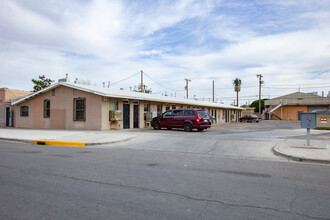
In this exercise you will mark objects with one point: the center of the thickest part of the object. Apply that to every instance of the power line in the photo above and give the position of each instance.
(161, 84)
(307, 87)
(308, 84)
(125, 78)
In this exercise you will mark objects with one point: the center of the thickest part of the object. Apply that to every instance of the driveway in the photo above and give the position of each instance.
(249, 140)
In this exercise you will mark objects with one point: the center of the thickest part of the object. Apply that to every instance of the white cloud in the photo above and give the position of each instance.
(102, 41)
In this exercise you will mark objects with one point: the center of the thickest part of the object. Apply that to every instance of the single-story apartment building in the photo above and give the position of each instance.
(66, 105)
(289, 107)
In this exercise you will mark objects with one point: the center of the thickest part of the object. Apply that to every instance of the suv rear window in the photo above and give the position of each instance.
(189, 113)
(202, 113)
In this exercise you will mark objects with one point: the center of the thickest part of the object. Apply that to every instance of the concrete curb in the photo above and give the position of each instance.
(18, 140)
(278, 152)
(109, 142)
(60, 143)
(65, 143)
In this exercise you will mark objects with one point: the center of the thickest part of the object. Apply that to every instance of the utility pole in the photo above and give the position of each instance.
(213, 91)
(141, 80)
(259, 76)
(187, 80)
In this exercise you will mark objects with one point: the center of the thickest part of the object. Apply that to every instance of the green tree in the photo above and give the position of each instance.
(41, 82)
(256, 105)
(237, 82)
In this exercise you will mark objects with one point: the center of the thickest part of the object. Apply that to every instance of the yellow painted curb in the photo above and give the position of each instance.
(60, 143)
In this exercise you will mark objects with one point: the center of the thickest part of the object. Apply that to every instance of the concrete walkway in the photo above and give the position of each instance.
(297, 149)
(68, 137)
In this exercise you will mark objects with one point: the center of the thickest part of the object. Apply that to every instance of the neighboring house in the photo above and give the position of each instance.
(6, 95)
(289, 107)
(248, 110)
(65, 105)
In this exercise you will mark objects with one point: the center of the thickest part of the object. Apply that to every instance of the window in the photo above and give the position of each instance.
(46, 108)
(178, 112)
(79, 109)
(24, 111)
(146, 107)
(113, 106)
(202, 113)
(167, 114)
(167, 107)
(189, 113)
(53, 92)
(173, 107)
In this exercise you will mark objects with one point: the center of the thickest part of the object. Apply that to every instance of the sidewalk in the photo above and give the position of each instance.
(65, 137)
(296, 149)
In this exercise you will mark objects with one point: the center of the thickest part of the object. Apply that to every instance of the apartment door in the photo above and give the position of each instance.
(215, 115)
(8, 117)
(126, 115)
(136, 115)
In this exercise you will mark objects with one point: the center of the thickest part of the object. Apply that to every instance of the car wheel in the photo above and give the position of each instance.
(241, 121)
(200, 129)
(169, 128)
(187, 127)
(156, 125)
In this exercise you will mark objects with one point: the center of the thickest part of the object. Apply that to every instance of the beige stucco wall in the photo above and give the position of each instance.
(61, 111)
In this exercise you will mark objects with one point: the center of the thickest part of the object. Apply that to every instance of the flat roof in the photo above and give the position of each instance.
(112, 93)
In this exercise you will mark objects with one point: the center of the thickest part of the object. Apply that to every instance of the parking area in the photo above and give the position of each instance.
(248, 140)
(230, 128)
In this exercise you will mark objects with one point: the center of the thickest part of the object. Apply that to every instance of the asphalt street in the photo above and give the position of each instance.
(223, 173)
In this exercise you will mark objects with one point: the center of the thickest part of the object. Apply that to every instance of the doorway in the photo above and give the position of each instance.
(8, 117)
(126, 115)
(136, 115)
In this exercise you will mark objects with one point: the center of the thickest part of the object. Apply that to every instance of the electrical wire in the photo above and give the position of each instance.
(301, 87)
(161, 84)
(125, 79)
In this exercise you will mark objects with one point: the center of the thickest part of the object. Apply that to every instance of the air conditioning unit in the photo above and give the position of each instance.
(148, 116)
(154, 114)
(115, 115)
(112, 116)
(118, 115)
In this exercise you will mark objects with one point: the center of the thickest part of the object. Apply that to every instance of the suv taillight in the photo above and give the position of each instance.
(198, 119)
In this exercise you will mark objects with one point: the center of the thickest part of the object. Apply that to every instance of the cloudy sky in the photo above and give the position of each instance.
(97, 41)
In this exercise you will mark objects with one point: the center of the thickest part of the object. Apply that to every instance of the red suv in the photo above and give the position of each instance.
(187, 119)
